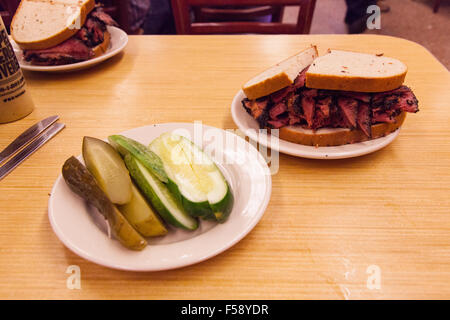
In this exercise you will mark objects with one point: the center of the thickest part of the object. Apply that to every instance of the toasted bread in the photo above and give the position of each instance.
(42, 24)
(359, 72)
(279, 76)
(327, 137)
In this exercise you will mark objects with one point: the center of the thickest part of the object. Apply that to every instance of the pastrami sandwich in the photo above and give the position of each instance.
(57, 32)
(339, 98)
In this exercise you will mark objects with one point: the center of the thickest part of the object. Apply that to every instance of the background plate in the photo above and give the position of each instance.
(119, 40)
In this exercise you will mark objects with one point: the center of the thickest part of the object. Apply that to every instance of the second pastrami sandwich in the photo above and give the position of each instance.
(57, 32)
(339, 98)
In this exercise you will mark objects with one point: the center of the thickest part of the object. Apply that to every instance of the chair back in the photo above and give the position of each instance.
(182, 13)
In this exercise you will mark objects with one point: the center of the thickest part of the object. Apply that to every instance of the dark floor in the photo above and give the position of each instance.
(410, 19)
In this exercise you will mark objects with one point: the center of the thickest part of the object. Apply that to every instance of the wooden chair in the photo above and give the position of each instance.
(216, 14)
(236, 24)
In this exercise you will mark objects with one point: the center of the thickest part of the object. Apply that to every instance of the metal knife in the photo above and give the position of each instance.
(26, 138)
(30, 149)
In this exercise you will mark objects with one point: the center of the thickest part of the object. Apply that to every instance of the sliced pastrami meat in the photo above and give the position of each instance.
(282, 94)
(258, 109)
(337, 119)
(389, 102)
(364, 119)
(73, 48)
(408, 102)
(402, 91)
(324, 105)
(308, 105)
(361, 96)
(96, 29)
(279, 123)
(293, 119)
(291, 104)
(387, 105)
(277, 110)
(382, 117)
(398, 91)
(294, 109)
(322, 112)
(294, 105)
(349, 109)
(83, 35)
(103, 17)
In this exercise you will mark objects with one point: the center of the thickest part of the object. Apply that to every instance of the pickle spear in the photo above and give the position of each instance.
(108, 169)
(159, 195)
(81, 182)
(194, 178)
(141, 216)
(148, 158)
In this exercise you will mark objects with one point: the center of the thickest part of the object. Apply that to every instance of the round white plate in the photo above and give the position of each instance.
(82, 230)
(250, 128)
(119, 40)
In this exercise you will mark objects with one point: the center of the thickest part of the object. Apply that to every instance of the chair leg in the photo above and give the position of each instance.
(437, 3)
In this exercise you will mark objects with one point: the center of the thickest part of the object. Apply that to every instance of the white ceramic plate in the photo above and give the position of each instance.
(119, 40)
(250, 127)
(82, 229)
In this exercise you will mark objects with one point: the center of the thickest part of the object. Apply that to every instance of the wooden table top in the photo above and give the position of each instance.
(329, 225)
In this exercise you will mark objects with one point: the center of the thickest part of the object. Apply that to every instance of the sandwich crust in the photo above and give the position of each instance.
(355, 84)
(268, 86)
(357, 72)
(340, 136)
(280, 75)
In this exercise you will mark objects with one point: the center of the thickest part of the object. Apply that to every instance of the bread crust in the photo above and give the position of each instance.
(338, 136)
(356, 84)
(102, 47)
(267, 86)
(277, 82)
(57, 38)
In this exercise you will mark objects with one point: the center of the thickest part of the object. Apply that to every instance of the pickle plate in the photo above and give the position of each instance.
(83, 230)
